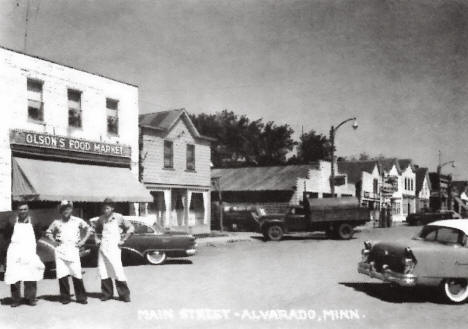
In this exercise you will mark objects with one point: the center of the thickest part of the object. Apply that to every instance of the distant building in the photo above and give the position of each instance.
(440, 194)
(367, 179)
(401, 174)
(175, 166)
(274, 188)
(423, 189)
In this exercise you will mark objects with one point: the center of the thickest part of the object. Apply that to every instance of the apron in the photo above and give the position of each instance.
(109, 259)
(23, 264)
(67, 254)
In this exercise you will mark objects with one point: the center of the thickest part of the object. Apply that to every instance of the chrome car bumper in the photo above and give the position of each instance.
(191, 252)
(406, 280)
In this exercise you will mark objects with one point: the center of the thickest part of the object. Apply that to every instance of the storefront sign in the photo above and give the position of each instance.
(21, 137)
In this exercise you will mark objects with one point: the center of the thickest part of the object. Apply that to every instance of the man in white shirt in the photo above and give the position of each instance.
(66, 232)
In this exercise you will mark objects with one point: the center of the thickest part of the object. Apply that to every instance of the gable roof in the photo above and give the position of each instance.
(354, 169)
(388, 163)
(405, 163)
(164, 121)
(274, 178)
(421, 174)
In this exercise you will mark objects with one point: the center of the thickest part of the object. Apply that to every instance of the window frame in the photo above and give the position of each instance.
(40, 109)
(116, 116)
(168, 157)
(79, 110)
(190, 166)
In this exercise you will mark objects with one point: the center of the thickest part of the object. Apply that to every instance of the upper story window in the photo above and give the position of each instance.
(168, 154)
(112, 106)
(190, 157)
(35, 104)
(376, 186)
(74, 108)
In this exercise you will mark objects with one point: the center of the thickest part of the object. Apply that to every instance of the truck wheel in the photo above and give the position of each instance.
(455, 290)
(345, 231)
(274, 232)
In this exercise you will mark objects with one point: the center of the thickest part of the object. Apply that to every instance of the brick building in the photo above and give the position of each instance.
(66, 134)
(175, 167)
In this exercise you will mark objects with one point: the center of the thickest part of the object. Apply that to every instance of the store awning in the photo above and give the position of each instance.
(43, 180)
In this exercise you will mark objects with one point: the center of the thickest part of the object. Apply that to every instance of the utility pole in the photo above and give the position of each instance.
(25, 46)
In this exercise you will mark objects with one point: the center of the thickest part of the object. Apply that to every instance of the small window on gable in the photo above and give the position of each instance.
(168, 154)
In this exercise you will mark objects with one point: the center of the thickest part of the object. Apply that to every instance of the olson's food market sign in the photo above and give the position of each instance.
(28, 138)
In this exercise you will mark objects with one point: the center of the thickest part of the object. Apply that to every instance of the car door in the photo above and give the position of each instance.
(144, 238)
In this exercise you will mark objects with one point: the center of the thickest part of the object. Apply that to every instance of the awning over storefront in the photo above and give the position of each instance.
(43, 180)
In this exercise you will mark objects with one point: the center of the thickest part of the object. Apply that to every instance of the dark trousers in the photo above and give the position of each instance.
(64, 285)
(30, 289)
(107, 287)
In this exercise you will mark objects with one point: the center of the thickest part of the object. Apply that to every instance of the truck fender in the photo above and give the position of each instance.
(269, 222)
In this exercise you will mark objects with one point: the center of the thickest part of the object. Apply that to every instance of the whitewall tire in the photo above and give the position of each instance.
(455, 290)
(155, 257)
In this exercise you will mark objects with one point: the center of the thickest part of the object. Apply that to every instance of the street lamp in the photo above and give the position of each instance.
(332, 140)
(439, 173)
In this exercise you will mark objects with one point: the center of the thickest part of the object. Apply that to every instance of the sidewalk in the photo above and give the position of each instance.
(219, 238)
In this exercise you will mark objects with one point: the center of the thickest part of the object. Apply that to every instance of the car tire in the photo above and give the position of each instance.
(455, 290)
(345, 231)
(155, 257)
(274, 232)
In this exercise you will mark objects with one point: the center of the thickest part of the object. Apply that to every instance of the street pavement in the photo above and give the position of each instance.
(243, 282)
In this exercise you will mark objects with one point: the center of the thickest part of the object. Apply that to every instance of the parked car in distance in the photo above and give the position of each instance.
(336, 216)
(437, 256)
(237, 218)
(424, 218)
(151, 244)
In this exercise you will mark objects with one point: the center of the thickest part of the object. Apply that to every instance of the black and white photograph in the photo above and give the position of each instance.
(275, 164)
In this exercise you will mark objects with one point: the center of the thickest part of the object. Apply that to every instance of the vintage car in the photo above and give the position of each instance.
(424, 218)
(152, 244)
(437, 256)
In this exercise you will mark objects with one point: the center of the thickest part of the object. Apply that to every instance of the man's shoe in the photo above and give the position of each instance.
(65, 301)
(84, 301)
(31, 302)
(125, 299)
(103, 299)
(15, 304)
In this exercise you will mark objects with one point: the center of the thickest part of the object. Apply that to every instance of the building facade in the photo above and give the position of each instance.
(175, 166)
(423, 190)
(366, 176)
(66, 134)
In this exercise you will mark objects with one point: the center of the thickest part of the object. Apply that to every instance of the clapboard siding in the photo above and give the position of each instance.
(153, 158)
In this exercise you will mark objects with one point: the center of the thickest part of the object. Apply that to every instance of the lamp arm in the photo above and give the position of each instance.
(343, 122)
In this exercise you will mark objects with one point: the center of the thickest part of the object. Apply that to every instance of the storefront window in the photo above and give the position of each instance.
(197, 208)
(74, 108)
(35, 104)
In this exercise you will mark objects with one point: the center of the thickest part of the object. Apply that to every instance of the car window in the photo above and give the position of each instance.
(444, 235)
(142, 229)
(297, 211)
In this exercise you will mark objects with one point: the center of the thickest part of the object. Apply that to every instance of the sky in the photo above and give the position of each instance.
(400, 67)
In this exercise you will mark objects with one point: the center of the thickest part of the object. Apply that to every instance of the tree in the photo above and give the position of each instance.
(312, 147)
(242, 142)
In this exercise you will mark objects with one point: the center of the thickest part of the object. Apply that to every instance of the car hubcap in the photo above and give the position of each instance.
(156, 256)
(275, 232)
(457, 287)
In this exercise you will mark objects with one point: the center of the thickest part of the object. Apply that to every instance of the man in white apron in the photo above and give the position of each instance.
(22, 262)
(66, 231)
(108, 228)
